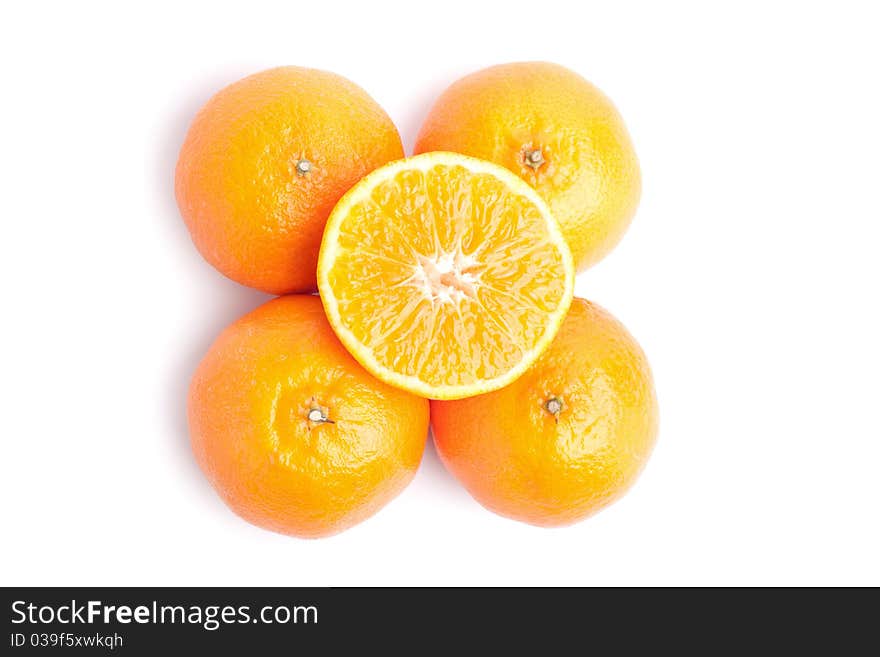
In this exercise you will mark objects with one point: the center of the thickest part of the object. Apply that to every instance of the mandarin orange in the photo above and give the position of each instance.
(294, 435)
(557, 132)
(564, 440)
(265, 161)
(444, 275)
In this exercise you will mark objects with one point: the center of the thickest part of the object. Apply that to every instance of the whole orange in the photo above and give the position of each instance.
(265, 161)
(556, 131)
(565, 439)
(293, 434)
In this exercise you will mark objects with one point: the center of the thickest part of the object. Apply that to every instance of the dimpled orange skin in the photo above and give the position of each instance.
(522, 461)
(253, 214)
(249, 418)
(587, 170)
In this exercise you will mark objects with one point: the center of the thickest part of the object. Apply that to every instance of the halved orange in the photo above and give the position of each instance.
(444, 275)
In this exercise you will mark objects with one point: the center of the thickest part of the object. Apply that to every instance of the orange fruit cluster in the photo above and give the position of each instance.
(445, 298)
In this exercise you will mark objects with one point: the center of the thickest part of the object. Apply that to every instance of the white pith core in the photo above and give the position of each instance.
(448, 277)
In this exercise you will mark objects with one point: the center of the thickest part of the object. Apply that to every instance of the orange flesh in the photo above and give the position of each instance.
(447, 275)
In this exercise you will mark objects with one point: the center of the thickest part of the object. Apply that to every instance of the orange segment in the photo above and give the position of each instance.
(444, 275)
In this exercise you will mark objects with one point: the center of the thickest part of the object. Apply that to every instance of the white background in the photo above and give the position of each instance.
(749, 276)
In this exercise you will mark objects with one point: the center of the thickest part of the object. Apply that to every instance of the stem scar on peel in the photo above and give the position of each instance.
(554, 406)
(303, 167)
(533, 157)
(317, 414)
